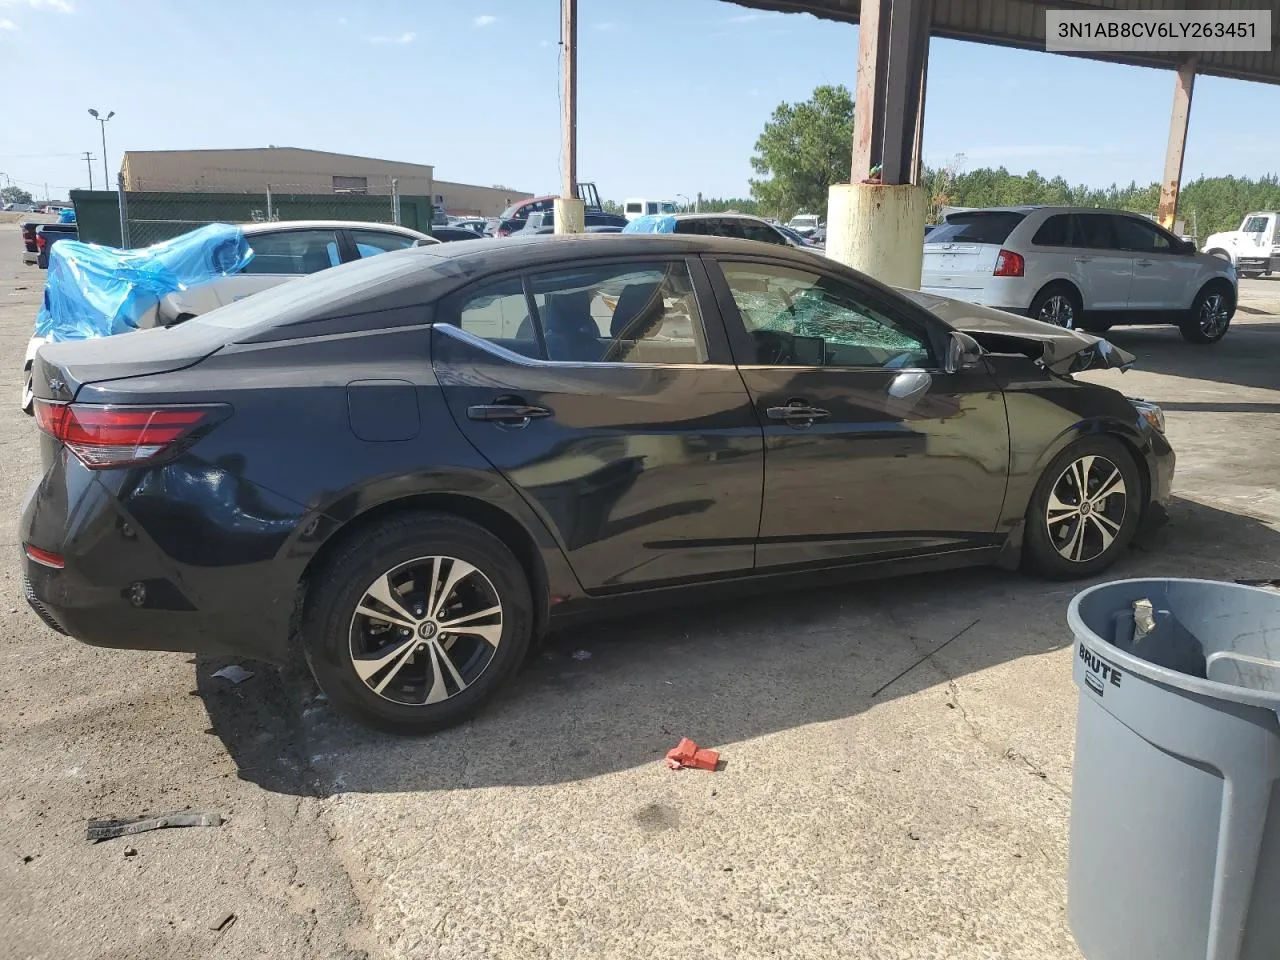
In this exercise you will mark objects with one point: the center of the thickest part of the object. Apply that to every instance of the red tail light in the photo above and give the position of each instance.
(41, 240)
(46, 558)
(106, 436)
(1008, 264)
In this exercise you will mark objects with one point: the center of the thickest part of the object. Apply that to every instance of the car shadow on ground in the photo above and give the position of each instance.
(616, 695)
(1245, 356)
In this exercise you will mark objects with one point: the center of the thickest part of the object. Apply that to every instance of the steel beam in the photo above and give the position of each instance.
(893, 51)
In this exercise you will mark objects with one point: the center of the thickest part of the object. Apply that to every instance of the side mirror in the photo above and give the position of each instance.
(963, 352)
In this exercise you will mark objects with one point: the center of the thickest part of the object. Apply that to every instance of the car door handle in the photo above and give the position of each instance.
(1084, 259)
(797, 412)
(510, 413)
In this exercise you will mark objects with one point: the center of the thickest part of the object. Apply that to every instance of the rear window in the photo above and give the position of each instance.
(977, 227)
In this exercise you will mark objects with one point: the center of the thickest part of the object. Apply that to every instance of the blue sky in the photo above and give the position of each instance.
(673, 93)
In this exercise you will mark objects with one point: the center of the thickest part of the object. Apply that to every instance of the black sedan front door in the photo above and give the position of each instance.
(872, 450)
(603, 397)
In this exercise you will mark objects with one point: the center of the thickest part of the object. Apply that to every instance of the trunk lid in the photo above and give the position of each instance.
(961, 253)
(62, 368)
(1062, 351)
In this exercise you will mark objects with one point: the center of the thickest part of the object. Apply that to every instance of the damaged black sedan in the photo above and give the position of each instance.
(418, 463)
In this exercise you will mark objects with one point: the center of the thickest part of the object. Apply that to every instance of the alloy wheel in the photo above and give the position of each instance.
(426, 630)
(1059, 311)
(1086, 508)
(1214, 316)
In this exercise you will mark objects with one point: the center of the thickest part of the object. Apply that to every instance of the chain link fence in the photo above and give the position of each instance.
(140, 218)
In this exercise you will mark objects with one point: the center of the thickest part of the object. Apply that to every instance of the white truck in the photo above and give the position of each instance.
(1254, 249)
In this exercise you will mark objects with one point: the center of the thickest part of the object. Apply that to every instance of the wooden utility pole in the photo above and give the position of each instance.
(569, 117)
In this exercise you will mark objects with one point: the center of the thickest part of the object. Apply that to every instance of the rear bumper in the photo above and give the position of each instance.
(123, 586)
(30, 256)
(1003, 293)
(1161, 461)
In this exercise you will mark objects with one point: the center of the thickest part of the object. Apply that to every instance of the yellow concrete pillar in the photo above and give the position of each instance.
(878, 229)
(571, 215)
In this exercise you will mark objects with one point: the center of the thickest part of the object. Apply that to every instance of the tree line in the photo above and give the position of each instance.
(805, 148)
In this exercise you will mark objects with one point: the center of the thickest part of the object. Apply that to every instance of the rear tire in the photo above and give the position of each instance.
(381, 653)
(1210, 315)
(1059, 304)
(1069, 536)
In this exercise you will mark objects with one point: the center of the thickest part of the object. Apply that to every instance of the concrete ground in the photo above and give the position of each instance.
(858, 815)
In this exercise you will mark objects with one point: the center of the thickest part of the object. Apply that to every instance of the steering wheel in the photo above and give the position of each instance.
(772, 348)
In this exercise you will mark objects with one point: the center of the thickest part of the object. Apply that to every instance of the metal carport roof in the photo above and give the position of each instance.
(1020, 23)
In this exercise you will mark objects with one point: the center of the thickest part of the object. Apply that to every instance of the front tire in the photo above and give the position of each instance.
(1210, 315)
(1085, 509)
(414, 626)
(1059, 304)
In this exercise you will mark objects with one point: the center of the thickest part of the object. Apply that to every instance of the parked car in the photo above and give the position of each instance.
(805, 224)
(475, 224)
(634, 207)
(512, 219)
(30, 252)
(795, 238)
(1080, 267)
(545, 222)
(455, 232)
(423, 461)
(47, 234)
(737, 226)
(1254, 249)
(283, 250)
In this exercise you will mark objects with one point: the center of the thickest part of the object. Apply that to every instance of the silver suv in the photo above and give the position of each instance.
(1080, 268)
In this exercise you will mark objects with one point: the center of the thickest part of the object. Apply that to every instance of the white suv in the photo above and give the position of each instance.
(1080, 267)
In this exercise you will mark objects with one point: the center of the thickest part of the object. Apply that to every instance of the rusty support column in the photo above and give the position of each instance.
(868, 100)
(901, 91)
(1176, 150)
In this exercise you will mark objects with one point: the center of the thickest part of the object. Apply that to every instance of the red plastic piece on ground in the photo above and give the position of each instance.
(686, 754)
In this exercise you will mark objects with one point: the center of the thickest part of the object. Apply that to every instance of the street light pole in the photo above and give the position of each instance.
(102, 122)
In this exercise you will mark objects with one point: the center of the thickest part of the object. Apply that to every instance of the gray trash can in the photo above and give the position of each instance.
(1175, 801)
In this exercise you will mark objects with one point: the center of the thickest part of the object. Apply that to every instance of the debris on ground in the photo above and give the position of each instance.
(581, 654)
(687, 754)
(130, 851)
(110, 829)
(235, 673)
(222, 921)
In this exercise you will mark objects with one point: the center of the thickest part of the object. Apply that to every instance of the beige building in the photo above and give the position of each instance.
(292, 170)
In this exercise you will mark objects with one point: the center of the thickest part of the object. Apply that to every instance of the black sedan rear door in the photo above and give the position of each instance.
(872, 450)
(605, 392)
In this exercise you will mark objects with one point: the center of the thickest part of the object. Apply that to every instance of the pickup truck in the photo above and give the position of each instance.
(30, 253)
(1254, 249)
(47, 234)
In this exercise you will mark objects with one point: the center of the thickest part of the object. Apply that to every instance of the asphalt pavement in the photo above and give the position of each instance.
(857, 815)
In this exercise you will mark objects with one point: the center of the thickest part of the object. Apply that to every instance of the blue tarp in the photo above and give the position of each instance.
(94, 291)
(67, 216)
(651, 224)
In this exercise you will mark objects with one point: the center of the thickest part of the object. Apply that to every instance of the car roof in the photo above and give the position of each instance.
(715, 216)
(262, 226)
(1044, 207)
(396, 284)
